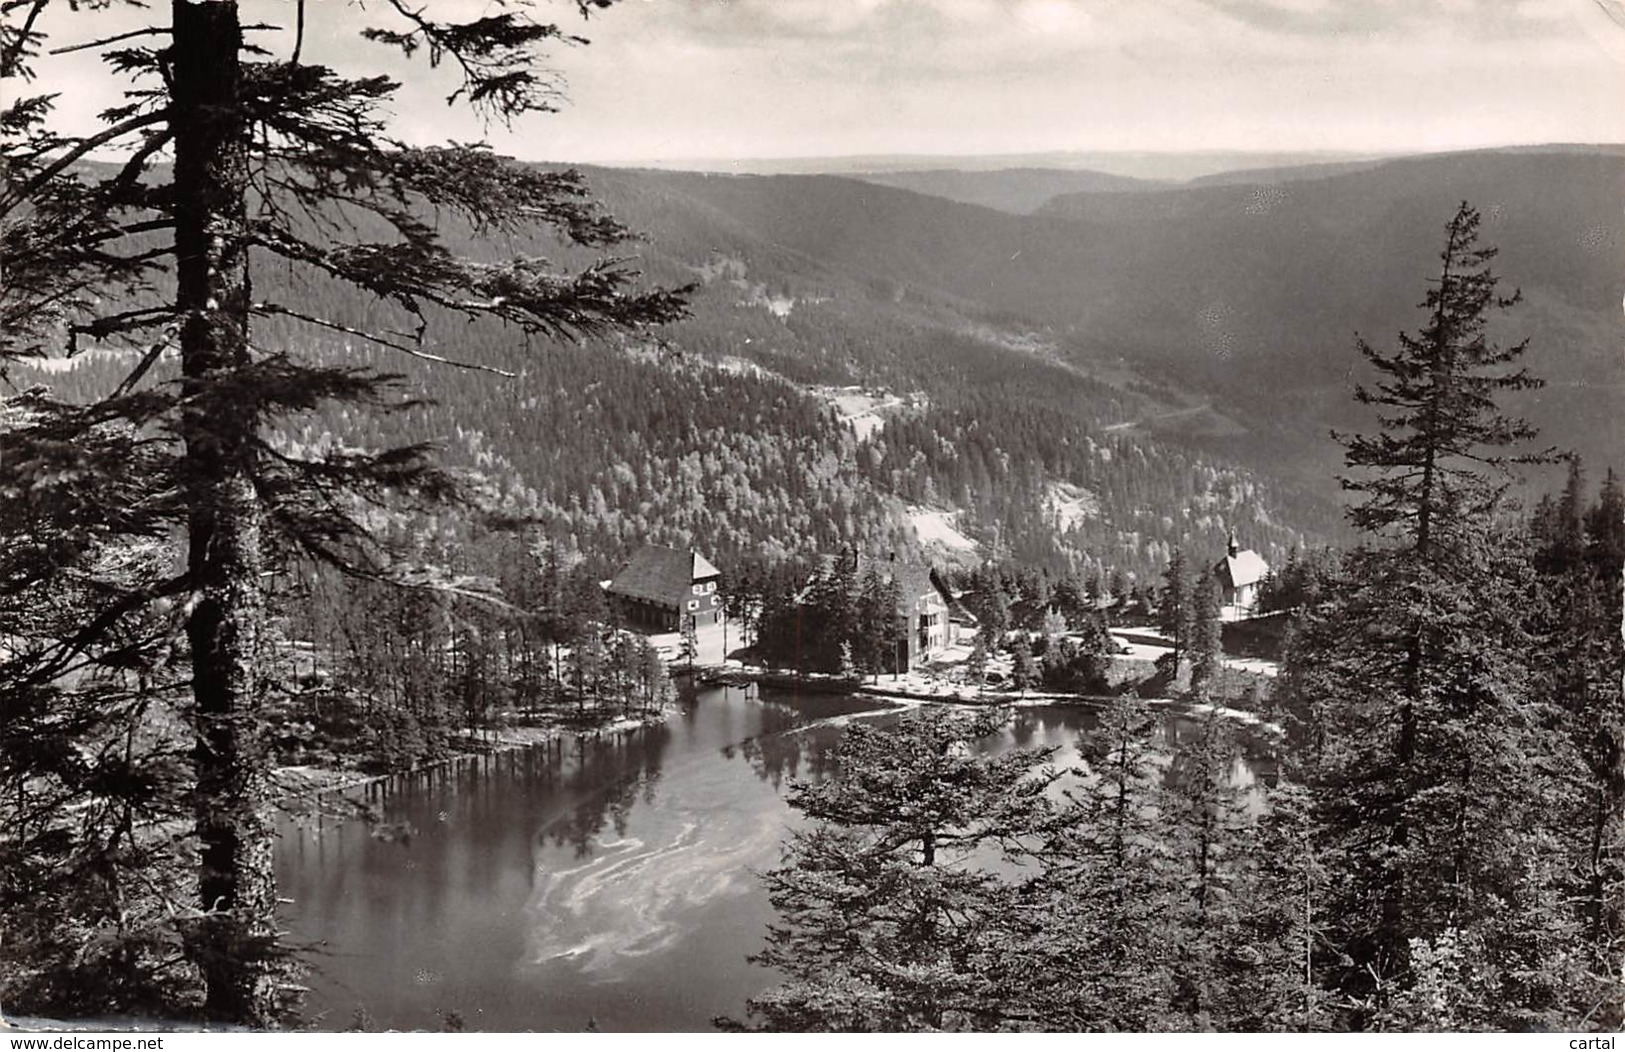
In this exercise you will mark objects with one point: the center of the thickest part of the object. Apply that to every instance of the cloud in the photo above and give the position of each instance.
(884, 40)
(1396, 19)
(692, 78)
(934, 41)
(776, 77)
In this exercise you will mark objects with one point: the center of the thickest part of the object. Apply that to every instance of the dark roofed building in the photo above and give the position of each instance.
(661, 586)
(927, 607)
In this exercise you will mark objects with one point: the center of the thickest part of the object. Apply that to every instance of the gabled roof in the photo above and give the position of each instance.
(1241, 569)
(663, 575)
(914, 580)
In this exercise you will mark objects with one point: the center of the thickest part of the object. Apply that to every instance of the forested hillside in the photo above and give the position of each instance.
(1017, 190)
(1255, 291)
(319, 446)
(611, 448)
(1439, 847)
(1175, 355)
(722, 435)
(1250, 294)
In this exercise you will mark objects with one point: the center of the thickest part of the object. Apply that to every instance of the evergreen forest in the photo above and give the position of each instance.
(317, 448)
(1442, 848)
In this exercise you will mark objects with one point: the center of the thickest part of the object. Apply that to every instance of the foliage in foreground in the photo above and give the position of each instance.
(239, 160)
(1444, 849)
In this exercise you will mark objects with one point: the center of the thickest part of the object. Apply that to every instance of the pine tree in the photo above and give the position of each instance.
(1206, 639)
(894, 911)
(1175, 611)
(1116, 865)
(1204, 813)
(1434, 764)
(276, 163)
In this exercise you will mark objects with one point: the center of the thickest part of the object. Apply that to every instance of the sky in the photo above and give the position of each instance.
(669, 80)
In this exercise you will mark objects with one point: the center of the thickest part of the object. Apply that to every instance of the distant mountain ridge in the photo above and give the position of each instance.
(1021, 188)
(1016, 190)
(1176, 354)
(1250, 293)
(1153, 165)
(1256, 291)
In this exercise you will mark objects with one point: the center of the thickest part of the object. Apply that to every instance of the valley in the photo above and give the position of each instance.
(1047, 402)
(942, 355)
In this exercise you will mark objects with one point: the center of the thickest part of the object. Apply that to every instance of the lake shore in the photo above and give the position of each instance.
(294, 781)
(915, 687)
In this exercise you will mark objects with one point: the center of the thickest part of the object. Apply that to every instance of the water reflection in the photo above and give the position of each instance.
(639, 891)
(609, 878)
(606, 778)
(798, 736)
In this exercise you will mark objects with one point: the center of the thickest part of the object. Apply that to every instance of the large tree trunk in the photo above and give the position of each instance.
(233, 945)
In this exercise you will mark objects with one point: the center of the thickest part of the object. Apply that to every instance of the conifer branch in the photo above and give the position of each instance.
(148, 360)
(28, 188)
(131, 172)
(64, 652)
(19, 38)
(276, 308)
(104, 41)
(493, 52)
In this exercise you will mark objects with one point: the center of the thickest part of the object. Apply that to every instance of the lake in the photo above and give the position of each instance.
(604, 881)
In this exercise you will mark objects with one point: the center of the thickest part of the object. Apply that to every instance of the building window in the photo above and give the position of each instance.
(693, 604)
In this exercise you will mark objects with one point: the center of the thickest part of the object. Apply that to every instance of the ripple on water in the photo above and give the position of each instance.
(638, 896)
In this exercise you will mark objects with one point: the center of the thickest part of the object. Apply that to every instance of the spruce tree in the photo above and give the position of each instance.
(1206, 644)
(241, 161)
(902, 907)
(1605, 529)
(831, 622)
(1581, 660)
(1175, 611)
(1438, 467)
(1117, 865)
(1206, 819)
(991, 606)
(689, 644)
(1605, 551)
(876, 611)
(1023, 668)
(1434, 764)
(1281, 895)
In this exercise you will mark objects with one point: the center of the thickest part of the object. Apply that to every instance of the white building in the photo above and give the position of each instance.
(1239, 575)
